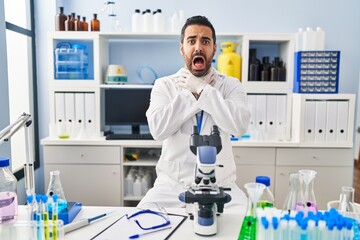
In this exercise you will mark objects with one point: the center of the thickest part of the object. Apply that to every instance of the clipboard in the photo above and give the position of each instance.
(123, 228)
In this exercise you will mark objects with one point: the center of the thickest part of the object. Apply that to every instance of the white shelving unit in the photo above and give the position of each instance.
(104, 185)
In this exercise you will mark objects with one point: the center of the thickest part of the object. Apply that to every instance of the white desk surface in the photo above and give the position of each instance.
(229, 223)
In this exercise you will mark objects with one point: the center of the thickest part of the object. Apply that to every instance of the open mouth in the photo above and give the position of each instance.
(199, 62)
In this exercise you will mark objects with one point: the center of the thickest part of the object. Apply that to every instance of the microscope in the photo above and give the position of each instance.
(204, 199)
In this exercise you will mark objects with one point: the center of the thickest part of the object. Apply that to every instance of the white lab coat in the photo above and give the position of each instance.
(171, 118)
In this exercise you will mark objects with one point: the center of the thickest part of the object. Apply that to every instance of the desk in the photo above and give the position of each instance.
(229, 223)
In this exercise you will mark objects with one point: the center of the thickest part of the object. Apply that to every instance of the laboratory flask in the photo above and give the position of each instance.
(294, 200)
(307, 178)
(346, 201)
(248, 228)
(267, 198)
(8, 193)
(55, 187)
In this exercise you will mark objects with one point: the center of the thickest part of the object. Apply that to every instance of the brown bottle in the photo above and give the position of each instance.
(78, 24)
(60, 19)
(95, 23)
(70, 23)
(85, 26)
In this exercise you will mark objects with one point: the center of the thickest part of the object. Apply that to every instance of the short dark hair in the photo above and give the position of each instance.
(198, 20)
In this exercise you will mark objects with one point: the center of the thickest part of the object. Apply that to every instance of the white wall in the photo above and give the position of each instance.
(340, 20)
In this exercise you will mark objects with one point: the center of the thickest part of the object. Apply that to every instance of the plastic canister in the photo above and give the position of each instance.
(8, 192)
(229, 62)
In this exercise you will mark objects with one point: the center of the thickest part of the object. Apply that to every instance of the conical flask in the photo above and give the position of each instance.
(248, 228)
(294, 200)
(307, 179)
(55, 187)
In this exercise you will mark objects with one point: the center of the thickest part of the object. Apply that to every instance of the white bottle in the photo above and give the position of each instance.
(299, 40)
(144, 186)
(129, 185)
(320, 39)
(136, 21)
(309, 40)
(137, 187)
(181, 18)
(159, 22)
(8, 192)
(174, 23)
(147, 21)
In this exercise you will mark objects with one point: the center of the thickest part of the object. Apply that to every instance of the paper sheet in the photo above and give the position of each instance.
(123, 228)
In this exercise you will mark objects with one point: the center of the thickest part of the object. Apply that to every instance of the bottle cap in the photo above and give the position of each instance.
(4, 162)
(264, 180)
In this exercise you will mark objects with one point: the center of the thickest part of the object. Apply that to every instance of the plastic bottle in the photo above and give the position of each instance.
(147, 21)
(266, 68)
(60, 19)
(254, 66)
(299, 40)
(8, 192)
(136, 21)
(319, 39)
(129, 182)
(137, 187)
(309, 39)
(55, 187)
(85, 26)
(267, 198)
(229, 62)
(95, 24)
(174, 23)
(159, 22)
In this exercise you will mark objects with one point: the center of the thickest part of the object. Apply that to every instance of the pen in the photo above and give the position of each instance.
(141, 234)
(83, 222)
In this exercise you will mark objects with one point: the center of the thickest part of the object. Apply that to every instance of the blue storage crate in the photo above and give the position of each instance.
(316, 72)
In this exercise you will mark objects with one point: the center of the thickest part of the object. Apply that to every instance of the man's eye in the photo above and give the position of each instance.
(206, 42)
(191, 41)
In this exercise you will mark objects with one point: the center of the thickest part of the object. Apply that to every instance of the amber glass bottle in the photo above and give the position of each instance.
(79, 24)
(95, 23)
(85, 25)
(60, 19)
(70, 23)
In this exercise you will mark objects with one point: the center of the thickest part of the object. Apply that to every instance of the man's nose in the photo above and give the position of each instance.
(198, 47)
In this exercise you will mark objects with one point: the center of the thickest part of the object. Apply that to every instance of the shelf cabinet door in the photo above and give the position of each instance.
(91, 185)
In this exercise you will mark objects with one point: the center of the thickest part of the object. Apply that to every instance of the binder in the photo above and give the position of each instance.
(309, 121)
(342, 121)
(79, 113)
(320, 121)
(281, 116)
(70, 113)
(331, 113)
(271, 111)
(261, 115)
(90, 113)
(60, 122)
(251, 100)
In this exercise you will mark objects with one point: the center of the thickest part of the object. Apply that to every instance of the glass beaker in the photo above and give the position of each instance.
(307, 179)
(248, 228)
(55, 187)
(346, 201)
(294, 199)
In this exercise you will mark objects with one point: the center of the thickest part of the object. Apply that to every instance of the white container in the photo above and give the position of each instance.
(137, 187)
(299, 40)
(144, 186)
(309, 39)
(319, 39)
(174, 23)
(159, 22)
(136, 21)
(8, 192)
(129, 185)
(147, 21)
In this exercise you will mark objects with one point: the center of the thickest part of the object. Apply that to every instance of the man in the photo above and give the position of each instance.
(195, 96)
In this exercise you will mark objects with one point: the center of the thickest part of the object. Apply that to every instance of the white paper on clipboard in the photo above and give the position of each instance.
(123, 228)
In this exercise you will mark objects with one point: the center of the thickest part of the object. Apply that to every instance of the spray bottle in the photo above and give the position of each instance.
(229, 62)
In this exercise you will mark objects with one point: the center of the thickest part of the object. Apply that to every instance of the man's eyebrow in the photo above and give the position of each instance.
(191, 37)
(203, 38)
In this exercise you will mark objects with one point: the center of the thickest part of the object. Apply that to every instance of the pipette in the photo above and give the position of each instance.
(83, 222)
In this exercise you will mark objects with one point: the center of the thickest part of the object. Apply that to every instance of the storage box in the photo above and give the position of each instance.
(316, 72)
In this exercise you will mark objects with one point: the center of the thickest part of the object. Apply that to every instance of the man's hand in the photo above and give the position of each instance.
(196, 84)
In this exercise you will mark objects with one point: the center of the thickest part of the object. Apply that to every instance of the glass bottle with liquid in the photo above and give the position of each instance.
(294, 200)
(60, 19)
(8, 192)
(85, 25)
(70, 23)
(95, 23)
(267, 198)
(55, 187)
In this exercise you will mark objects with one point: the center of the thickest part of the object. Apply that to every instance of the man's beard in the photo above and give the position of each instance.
(197, 73)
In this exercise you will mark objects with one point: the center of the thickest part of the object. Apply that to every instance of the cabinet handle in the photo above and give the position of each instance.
(315, 158)
(82, 155)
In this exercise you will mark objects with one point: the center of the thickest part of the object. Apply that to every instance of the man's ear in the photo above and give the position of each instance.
(181, 47)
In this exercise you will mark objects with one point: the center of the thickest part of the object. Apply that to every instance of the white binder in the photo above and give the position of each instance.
(309, 121)
(80, 114)
(342, 121)
(331, 113)
(251, 101)
(281, 116)
(271, 104)
(90, 113)
(60, 121)
(261, 115)
(70, 113)
(320, 121)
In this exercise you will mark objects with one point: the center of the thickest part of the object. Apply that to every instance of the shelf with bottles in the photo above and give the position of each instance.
(268, 62)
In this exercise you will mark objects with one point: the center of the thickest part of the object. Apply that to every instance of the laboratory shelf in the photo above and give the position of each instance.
(140, 162)
(133, 198)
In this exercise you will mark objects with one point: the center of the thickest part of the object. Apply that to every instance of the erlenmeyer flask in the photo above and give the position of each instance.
(294, 199)
(346, 201)
(55, 187)
(248, 228)
(307, 178)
